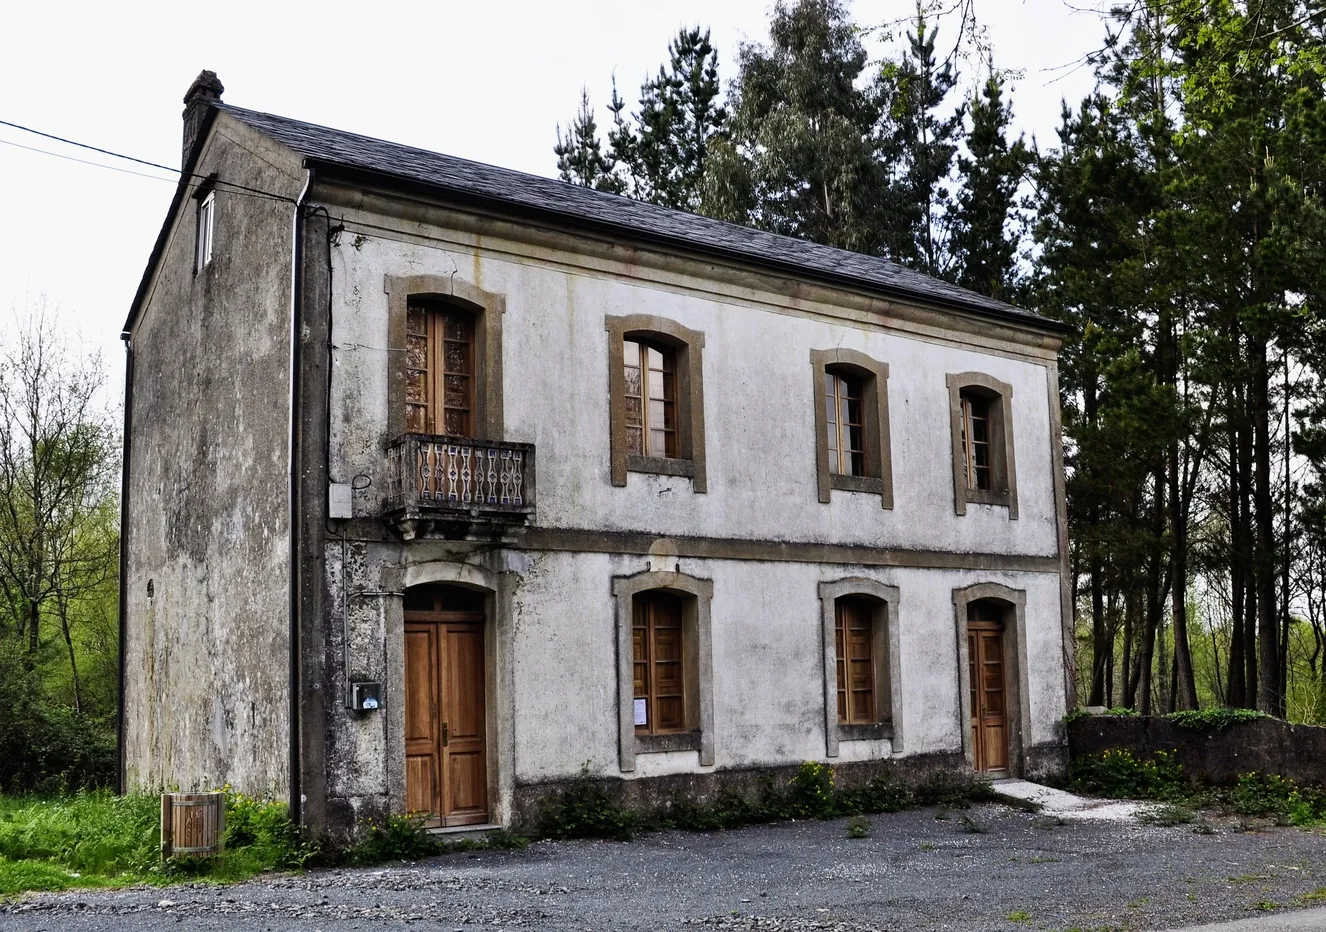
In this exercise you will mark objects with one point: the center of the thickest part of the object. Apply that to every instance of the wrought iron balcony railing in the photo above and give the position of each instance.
(459, 480)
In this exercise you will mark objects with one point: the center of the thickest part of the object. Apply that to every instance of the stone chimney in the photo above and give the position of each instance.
(203, 92)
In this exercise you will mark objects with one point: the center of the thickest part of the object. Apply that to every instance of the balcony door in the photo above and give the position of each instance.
(439, 369)
(446, 757)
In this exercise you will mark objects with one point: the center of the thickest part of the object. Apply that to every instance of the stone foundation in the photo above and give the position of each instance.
(649, 793)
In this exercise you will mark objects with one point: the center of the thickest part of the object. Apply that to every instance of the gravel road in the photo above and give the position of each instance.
(914, 872)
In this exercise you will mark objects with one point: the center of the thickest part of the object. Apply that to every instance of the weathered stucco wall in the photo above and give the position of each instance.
(206, 693)
(767, 663)
(554, 705)
(759, 410)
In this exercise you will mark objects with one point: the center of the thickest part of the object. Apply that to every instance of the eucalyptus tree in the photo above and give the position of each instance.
(798, 156)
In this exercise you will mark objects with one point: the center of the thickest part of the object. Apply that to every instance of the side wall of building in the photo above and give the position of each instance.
(207, 575)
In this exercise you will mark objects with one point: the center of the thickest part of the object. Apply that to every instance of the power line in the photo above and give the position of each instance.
(261, 196)
(83, 145)
(130, 158)
(58, 155)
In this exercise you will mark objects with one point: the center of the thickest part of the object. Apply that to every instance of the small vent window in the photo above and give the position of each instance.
(206, 212)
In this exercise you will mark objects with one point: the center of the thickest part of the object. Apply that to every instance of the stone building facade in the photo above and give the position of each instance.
(447, 484)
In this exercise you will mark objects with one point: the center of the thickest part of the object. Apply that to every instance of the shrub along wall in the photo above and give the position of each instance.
(1209, 750)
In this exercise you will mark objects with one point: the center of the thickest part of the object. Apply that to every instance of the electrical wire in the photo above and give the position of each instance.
(58, 155)
(126, 171)
(130, 158)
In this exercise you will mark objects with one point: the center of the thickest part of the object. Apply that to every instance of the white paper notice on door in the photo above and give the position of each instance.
(641, 711)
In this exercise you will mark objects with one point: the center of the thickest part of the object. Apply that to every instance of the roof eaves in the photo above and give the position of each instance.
(467, 196)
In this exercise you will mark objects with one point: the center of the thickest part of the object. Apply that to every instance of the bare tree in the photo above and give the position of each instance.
(58, 464)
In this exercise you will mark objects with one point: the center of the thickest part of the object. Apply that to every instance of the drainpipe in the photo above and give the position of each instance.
(296, 324)
(120, 750)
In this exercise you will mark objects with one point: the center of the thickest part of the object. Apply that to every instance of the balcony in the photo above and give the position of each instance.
(459, 488)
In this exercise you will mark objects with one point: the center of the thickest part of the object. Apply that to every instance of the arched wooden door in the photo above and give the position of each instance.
(989, 694)
(446, 754)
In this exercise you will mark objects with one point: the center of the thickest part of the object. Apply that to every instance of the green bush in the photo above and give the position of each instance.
(1216, 719)
(52, 749)
(261, 836)
(810, 792)
(586, 809)
(1117, 772)
(884, 793)
(858, 827)
(396, 838)
(1273, 796)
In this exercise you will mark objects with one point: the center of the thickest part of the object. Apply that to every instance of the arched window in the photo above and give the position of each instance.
(664, 665)
(855, 653)
(862, 699)
(656, 398)
(981, 413)
(852, 448)
(844, 394)
(444, 367)
(651, 397)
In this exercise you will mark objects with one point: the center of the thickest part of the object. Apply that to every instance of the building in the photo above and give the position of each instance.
(445, 483)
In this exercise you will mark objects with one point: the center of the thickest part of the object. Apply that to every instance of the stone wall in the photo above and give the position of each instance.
(653, 793)
(1297, 752)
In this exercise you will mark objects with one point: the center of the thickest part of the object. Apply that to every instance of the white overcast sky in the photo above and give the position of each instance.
(482, 80)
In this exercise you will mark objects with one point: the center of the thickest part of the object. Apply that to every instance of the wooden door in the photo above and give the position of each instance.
(989, 714)
(446, 754)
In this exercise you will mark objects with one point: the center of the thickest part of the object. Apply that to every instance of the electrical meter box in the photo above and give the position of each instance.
(365, 697)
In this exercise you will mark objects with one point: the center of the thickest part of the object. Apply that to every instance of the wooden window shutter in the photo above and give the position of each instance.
(854, 636)
(658, 662)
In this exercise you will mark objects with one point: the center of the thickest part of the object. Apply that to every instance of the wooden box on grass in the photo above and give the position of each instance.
(192, 824)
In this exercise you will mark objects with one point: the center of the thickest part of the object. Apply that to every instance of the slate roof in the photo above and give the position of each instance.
(579, 207)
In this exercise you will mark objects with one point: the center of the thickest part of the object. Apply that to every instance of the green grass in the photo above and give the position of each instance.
(1118, 773)
(98, 839)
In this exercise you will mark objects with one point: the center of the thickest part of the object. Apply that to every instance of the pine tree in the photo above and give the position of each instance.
(580, 158)
(665, 148)
(983, 247)
(919, 144)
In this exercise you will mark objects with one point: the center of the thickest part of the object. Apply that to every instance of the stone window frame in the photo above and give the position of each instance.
(878, 444)
(888, 676)
(488, 308)
(689, 347)
(1017, 686)
(1003, 464)
(698, 660)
